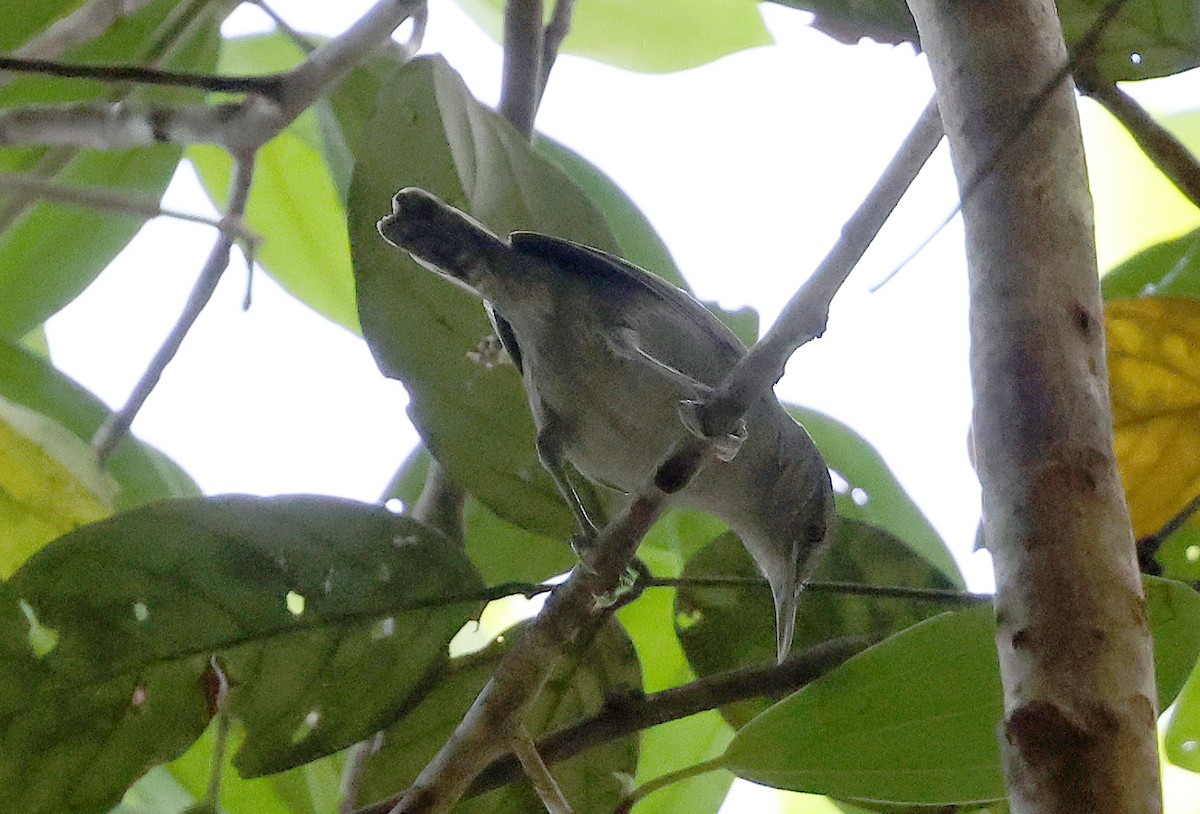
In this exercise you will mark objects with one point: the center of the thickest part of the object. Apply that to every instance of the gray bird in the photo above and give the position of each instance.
(608, 353)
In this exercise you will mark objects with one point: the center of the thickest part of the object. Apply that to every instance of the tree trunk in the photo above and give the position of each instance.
(1072, 633)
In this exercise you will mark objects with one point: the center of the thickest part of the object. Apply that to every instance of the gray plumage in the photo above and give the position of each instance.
(607, 352)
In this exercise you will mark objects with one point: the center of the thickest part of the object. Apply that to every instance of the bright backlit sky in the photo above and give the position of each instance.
(748, 167)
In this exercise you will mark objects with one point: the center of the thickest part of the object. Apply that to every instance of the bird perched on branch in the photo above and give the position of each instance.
(608, 354)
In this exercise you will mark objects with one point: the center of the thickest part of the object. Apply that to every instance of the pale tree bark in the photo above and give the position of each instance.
(1072, 634)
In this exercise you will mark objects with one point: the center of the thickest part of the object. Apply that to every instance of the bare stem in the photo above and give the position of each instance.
(522, 84)
(556, 31)
(117, 426)
(1168, 153)
(539, 776)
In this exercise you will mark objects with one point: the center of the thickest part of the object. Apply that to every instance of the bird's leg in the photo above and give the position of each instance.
(626, 343)
(582, 501)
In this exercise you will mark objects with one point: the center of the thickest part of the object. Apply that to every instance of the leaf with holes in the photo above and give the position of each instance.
(324, 615)
(604, 668)
(429, 132)
(724, 627)
(867, 490)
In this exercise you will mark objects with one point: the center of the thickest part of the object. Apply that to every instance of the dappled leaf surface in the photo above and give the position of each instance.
(1168, 269)
(877, 727)
(143, 473)
(430, 133)
(605, 667)
(726, 627)
(1154, 370)
(666, 35)
(324, 614)
(49, 252)
(865, 489)
(50, 483)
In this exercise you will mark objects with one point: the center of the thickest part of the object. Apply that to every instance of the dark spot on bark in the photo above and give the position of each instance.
(159, 119)
(1020, 639)
(1083, 319)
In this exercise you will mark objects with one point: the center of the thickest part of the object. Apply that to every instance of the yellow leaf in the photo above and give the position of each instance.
(49, 484)
(1154, 373)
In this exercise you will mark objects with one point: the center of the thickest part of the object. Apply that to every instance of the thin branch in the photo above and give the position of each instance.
(302, 41)
(626, 715)
(522, 83)
(539, 776)
(669, 779)
(806, 314)
(238, 127)
(105, 198)
(1173, 159)
(552, 38)
(441, 504)
(940, 595)
(117, 426)
(86, 23)
(269, 85)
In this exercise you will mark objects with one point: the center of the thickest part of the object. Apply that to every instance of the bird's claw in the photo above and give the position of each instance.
(724, 446)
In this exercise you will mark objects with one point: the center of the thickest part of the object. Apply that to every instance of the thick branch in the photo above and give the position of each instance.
(1072, 633)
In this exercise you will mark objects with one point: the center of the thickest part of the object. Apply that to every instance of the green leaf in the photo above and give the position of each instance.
(868, 491)
(499, 550)
(296, 598)
(50, 483)
(1168, 269)
(142, 472)
(722, 628)
(877, 727)
(638, 241)
(430, 133)
(606, 667)
(887, 21)
(51, 252)
(1181, 741)
(666, 35)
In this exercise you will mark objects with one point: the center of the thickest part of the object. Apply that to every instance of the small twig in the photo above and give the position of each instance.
(106, 199)
(302, 41)
(216, 770)
(668, 779)
(270, 86)
(521, 88)
(1173, 159)
(552, 38)
(539, 776)
(117, 426)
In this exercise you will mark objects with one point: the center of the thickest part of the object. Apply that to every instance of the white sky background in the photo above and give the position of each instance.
(747, 167)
